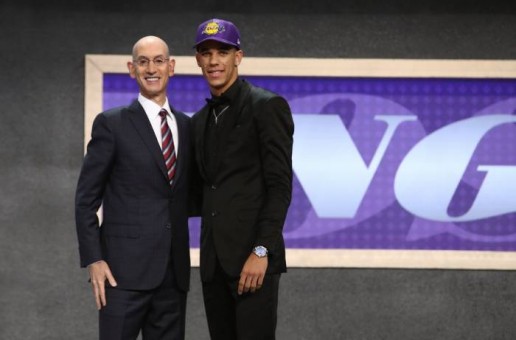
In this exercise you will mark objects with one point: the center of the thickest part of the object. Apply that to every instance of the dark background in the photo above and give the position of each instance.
(44, 294)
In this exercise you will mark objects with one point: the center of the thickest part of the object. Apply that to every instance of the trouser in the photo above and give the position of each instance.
(158, 313)
(250, 316)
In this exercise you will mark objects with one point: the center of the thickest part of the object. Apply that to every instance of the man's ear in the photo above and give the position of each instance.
(172, 65)
(131, 68)
(198, 58)
(238, 57)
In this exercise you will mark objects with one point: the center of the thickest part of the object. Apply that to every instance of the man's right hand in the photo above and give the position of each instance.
(99, 273)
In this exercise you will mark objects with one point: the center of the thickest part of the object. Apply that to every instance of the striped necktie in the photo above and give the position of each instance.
(167, 146)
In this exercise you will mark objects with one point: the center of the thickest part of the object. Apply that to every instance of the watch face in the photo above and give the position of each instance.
(261, 251)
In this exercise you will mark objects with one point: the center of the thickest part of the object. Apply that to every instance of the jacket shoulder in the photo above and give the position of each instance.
(196, 116)
(259, 95)
(181, 115)
(115, 112)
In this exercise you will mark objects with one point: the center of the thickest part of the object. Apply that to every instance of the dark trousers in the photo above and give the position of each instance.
(250, 316)
(158, 313)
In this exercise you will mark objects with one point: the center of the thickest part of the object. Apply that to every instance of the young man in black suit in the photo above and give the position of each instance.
(243, 142)
(136, 166)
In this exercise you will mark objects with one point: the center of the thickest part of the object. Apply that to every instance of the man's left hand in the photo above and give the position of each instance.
(251, 277)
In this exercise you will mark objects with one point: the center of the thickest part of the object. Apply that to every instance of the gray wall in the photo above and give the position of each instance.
(44, 294)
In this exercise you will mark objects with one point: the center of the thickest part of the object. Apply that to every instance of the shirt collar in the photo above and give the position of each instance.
(228, 96)
(151, 108)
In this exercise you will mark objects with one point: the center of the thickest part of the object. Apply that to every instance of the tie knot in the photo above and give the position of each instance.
(163, 113)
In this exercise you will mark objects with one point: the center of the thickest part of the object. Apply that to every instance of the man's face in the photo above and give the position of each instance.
(219, 64)
(151, 68)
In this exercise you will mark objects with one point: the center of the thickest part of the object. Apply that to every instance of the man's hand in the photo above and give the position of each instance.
(251, 277)
(99, 273)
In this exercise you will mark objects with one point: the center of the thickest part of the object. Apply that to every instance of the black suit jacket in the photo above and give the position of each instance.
(246, 198)
(145, 220)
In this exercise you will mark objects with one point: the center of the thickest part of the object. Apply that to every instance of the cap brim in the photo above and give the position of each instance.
(224, 41)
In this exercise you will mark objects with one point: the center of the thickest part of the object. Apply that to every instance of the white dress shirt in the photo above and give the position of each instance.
(152, 110)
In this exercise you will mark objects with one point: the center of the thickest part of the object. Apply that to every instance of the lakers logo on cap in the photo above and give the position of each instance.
(223, 31)
(212, 28)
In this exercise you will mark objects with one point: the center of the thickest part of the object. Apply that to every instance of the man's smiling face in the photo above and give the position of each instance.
(219, 63)
(152, 67)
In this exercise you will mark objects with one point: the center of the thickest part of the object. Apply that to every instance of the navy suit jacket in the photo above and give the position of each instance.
(145, 220)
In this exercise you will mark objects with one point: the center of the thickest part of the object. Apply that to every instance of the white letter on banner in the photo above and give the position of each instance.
(427, 178)
(329, 165)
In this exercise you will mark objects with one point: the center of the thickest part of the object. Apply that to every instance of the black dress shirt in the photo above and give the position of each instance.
(220, 107)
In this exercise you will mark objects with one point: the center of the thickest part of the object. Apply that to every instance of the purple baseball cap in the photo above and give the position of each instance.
(219, 30)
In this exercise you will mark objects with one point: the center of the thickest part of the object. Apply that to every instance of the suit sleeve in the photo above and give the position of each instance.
(90, 189)
(275, 131)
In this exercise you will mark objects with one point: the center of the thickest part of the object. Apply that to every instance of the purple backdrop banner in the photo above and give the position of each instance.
(387, 163)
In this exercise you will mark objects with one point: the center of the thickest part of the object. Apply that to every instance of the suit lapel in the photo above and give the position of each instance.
(200, 132)
(142, 125)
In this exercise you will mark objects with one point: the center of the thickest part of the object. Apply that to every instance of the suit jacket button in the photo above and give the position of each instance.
(213, 187)
(168, 226)
(214, 213)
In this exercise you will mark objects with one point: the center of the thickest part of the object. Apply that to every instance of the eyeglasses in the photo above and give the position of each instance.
(158, 61)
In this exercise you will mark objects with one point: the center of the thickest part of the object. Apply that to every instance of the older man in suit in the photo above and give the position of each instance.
(243, 142)
(137, 168)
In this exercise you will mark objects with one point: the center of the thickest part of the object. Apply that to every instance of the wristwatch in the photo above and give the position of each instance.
(260, 251)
